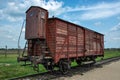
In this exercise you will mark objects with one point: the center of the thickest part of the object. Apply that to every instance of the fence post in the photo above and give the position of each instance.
(6, 51)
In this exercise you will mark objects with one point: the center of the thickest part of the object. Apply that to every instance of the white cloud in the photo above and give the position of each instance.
(101, 11)
(23, 30)
(10, 38)
(15, 11)
(112, 37)
(9, 35)
(12, 12)
(52, 5)
(116, 38)
(98, 23)
(116, 27)
(91, 12)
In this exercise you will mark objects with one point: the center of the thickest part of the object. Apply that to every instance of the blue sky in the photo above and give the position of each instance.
(99, 15)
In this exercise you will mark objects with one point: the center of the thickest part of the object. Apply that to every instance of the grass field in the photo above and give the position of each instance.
(10, 68)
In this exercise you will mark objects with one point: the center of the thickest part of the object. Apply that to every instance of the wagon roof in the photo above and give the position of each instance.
(56, 18)
(36, 7)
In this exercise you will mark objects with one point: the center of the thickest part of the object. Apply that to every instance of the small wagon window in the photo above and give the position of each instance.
(43, 15)
(32, 13)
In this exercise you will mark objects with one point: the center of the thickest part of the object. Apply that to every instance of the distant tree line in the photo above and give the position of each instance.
(10, 49)
(112, 48)
(22, 49)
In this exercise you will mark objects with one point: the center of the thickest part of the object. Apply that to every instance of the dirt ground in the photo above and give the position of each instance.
(109, 71)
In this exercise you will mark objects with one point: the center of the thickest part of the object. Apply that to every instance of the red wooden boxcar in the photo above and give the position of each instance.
(68, 40)
(56, 42)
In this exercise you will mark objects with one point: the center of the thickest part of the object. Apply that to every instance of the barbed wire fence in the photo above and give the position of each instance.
(6, 50)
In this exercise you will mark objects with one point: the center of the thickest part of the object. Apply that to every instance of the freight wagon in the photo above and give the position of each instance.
(55, 42)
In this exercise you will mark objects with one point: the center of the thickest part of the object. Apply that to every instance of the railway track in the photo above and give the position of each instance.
(80, 70)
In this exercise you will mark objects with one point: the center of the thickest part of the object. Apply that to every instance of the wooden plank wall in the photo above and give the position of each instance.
(67, 40)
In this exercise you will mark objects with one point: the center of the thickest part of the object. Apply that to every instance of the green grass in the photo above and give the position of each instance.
(10, 68)
(109, 54)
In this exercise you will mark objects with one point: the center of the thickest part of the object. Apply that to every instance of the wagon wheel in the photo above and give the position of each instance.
(64, 67)
(51, 68)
